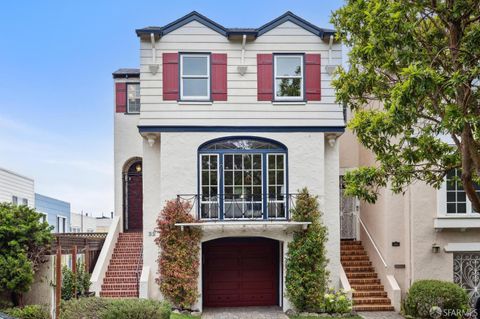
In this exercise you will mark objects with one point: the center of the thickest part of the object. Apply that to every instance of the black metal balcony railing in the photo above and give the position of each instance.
(240, 206)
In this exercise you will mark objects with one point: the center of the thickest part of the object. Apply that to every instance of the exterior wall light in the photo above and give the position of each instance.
(435, 248)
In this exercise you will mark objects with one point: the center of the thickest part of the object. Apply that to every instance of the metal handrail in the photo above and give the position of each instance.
(137, 273)
(371, 239)
(237, 199)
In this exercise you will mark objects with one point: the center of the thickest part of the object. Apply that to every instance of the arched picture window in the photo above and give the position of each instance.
(243, 178)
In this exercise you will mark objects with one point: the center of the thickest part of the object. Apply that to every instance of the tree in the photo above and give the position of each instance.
(24, 241)
(179, 258)
(420, 60)
(307, 277)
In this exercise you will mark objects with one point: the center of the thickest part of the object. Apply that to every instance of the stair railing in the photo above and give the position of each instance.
(371, 240)
(137, 271)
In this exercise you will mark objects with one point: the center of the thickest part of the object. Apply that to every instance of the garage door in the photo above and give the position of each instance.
(240, 272)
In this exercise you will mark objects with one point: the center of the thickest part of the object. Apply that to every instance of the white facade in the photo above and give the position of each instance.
(82, 223)
(16, 188)
(170, 157)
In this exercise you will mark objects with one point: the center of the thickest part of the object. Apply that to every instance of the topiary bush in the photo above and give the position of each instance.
(425, 294)
(101, 308)
(307, 275)
(28, 312)
(179, 255)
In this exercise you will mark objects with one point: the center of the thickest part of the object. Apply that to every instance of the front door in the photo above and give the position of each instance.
(134, 198)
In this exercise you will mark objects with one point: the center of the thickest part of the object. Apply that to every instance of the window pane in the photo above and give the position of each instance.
(461, 197)
(195, 65)
(451, 208)
(228, 161)
(451, 196)
(288, 65)
(288, 87)
(461, 208)
(195, 87)
(133, 98)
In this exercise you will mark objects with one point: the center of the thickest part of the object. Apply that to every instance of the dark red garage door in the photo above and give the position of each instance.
(240, 272)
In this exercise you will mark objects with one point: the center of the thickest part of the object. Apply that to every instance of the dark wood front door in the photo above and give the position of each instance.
(134, 205)
(239, 272)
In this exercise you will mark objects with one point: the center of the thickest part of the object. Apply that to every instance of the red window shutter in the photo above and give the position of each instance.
(265, 77)
(170, 76)
(312, 77)
(219, 76)
(121, 97)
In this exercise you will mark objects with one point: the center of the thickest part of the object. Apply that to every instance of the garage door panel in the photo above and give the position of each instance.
(240, 272)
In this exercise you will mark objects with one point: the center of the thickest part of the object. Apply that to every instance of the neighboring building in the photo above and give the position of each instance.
(83, 223)
(16, 188)
(423, 234)
(237, 121)
(56, 212)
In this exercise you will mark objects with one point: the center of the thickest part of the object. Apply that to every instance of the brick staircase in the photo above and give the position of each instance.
(369, 294)
(123, 273)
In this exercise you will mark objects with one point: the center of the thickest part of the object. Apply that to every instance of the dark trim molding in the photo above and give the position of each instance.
(246, 129)
(254, 32)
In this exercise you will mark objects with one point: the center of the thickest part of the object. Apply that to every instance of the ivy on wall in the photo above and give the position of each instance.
(307, 274)
(179, 257)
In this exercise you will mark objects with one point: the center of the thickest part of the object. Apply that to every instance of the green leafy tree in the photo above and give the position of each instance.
(24, 241)
(307, 275)
(290, 87)
(413, 78)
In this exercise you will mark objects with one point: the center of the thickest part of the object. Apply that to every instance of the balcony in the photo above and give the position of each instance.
(240, 207)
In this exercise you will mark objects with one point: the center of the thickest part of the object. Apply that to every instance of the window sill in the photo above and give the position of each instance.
(456, 222)
(195, 102)
(289, 103)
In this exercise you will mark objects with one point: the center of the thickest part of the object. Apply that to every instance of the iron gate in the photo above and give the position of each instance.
(466, 273)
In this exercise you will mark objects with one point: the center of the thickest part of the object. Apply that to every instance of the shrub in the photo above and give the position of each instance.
(307, 276)
(84, 308)
(179, 255)
(80, 282)
(28, 312)
(425, 294)
(137, 309)
(337, 302)
(24, 242)
(100, 308)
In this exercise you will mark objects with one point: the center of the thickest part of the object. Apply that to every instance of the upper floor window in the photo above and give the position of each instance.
(195, 77)
(288, 77)
(14, 200)
(456, 198)
(133, 98)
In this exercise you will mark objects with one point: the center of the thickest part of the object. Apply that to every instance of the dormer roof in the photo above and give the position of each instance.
(231, 32)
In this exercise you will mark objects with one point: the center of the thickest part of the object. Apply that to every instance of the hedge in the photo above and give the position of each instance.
(425, 294)
(101, 308)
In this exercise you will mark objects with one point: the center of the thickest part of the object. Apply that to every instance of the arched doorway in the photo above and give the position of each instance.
(133, 196)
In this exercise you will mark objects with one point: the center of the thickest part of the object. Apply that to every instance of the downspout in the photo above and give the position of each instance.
(242, 68)
(153, 66)
(329, 67)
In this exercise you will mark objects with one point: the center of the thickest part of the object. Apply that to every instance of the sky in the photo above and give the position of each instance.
(56, 61)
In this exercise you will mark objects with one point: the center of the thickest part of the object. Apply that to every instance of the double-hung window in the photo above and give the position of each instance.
(289, 76)
(456, 198)
(195, 77)
(133, 98)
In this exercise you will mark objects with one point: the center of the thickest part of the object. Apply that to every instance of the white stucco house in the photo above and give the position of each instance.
(236, 121)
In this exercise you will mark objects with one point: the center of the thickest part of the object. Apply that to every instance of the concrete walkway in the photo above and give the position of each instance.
(381, 315)
(244, 313)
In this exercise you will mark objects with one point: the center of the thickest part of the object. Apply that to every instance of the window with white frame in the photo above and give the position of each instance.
(195, 77)
(455, 198)
(61, 224)
(25, 201)
(75, 229)
(133, 98)
(288, 77)
(14, 200)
